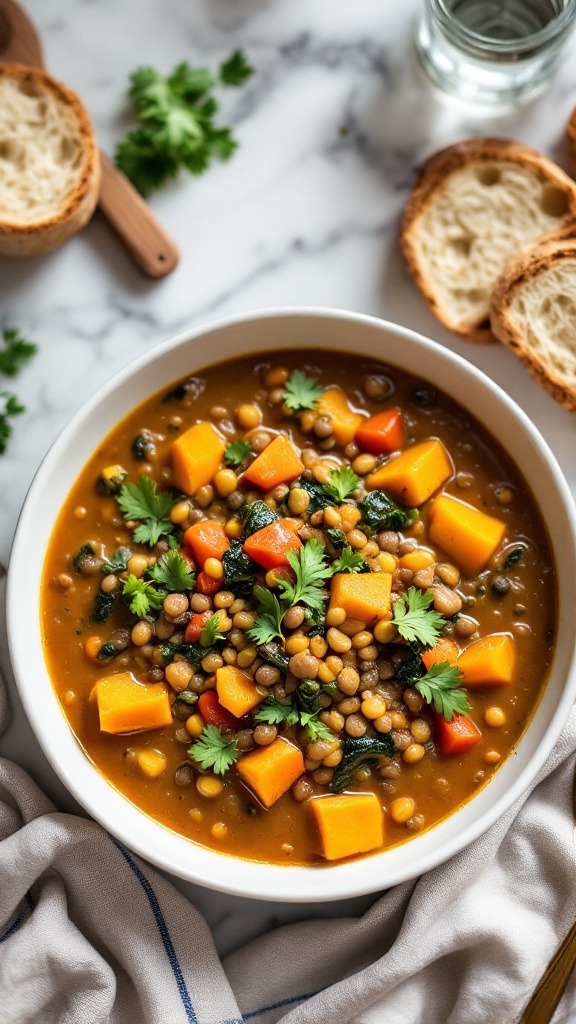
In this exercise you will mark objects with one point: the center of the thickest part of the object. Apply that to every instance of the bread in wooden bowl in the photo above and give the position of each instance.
(533, 312)
(474, 206)
(49, 163)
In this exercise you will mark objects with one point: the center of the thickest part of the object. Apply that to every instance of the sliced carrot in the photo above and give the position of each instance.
(279, 463)
(445, 649)
(457, 736)
(237, 692)
(214, 714)
(196, 456)
(345, 422)
(271, 770)
(195, 626)
(268, 546)
(348, 824)
(382, 433)
(206, 539)
(126, 705)
(205, 584)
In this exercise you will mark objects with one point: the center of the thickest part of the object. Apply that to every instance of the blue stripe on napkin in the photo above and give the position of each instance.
(283, 1002)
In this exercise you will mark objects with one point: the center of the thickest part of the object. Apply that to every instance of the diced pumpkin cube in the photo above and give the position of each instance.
(414, 475)
(271, 770)
(348, 824)
(489, 661)
(125, 705)
(364, 596)
(236, 691)
(279, 463)
(345, 422)
(268, 546)
(196, 456)
(445, 649)
(470, 537)
(206, 539)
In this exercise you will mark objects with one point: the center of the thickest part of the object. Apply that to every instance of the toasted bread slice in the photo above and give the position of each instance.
(49, 163)
(533, 312)
(473, 207)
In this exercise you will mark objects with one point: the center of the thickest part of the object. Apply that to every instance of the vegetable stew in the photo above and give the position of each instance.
(299, 610)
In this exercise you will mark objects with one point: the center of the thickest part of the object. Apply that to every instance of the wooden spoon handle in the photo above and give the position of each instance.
(541, 1007)
(147, 242)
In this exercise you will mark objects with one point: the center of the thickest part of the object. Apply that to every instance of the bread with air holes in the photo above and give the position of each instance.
(474, 206)
(49, 163)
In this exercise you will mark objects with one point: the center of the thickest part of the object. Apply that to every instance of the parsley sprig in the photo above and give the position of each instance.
(9, 407)
(141, 502)
(442, 687)
(211, 632)
(214, 750)
(142, 597)
(341, 483)
(277, 712)
(268, 625)
(311, 573)
(15, 351)
(301, 391)
(349, 561)
(236, 452)
(415, 621)
(171, 571)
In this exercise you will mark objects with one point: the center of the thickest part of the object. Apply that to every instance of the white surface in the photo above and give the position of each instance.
(306, 212)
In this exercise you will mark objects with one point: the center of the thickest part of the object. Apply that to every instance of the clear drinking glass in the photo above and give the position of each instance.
(493, 54)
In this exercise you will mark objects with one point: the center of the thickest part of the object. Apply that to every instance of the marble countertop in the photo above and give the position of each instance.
(306, 213)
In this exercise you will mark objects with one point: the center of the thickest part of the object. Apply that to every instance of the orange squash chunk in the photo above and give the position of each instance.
(469, 536)
(268, 546)
(489, 661)
(196, 456)
(364, 596)
(207, 539)
(236, 691)
(415, 474)
(279, 463)
(348, 824)
(444, 649)
(125, 705)
(270, 771)
(345, 422)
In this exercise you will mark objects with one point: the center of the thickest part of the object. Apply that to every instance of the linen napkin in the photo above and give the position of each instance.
(89, 934)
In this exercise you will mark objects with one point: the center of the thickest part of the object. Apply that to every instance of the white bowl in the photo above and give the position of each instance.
(242, 335)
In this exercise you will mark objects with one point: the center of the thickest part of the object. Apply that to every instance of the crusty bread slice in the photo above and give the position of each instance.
(533, 312)
(473, 207)
(49, 163)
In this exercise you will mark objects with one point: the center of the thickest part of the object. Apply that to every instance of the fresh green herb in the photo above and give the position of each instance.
(140, 501)
(268, 625)
(349, 561)
(118, 562)
(142, 447)
(301, 391)
(337, 538)
(103, 605)
(239, 570)
(316, 616)
(315, 728)
(332, 689)
(415, 621)
(211, 632)
(311, 573)
(379, 512)
(513, 558)
(409, 670)
(86, 551)
(277, 712)
(9, 407)
(318, 497)
(215, 751)
(255, 517)
(358, 752)
(441, 686)
(236, 452)
(172, 572)
(15, 352)
(176, 116)
(341, 483)
(142, 596)
(193, 654)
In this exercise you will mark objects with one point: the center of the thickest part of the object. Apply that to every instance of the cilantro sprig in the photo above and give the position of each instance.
(276, 712)
(301, 391)
(311, 573)
(268, 625)
(15, 351)
(349, 561)
(141, 502)
(171, 571)
(9, 407)
(214, 750)
(142, 597)
(341, 483)
(415, 621)
(211, 632)
(236, 452)
(442, 687)
(177, 122)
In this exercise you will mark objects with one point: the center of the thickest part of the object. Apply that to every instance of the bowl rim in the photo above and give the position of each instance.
(261, 880)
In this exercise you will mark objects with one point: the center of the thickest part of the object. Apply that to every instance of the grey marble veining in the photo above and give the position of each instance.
(306, 213)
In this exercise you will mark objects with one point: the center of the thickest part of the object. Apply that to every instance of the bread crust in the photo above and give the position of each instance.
(571, 134)
(79, 205)
(432, 176)
(520, 271)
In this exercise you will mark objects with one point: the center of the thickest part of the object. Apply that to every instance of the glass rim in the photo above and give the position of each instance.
(536, 39)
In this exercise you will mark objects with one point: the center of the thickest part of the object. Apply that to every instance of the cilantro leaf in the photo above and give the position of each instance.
(268, 624)
(142, 596)
(442, 687)
(311, 572)
(16, 351)
(301, 391)
(214, 750)
(315, 728)
(118, 562)
(140, 501)
(341, 483)
(276, 712)
(172, 572)
(236, 451)
(211, 631)
(11, 408)
(415, 621)
(235, 70)
(349, 561)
